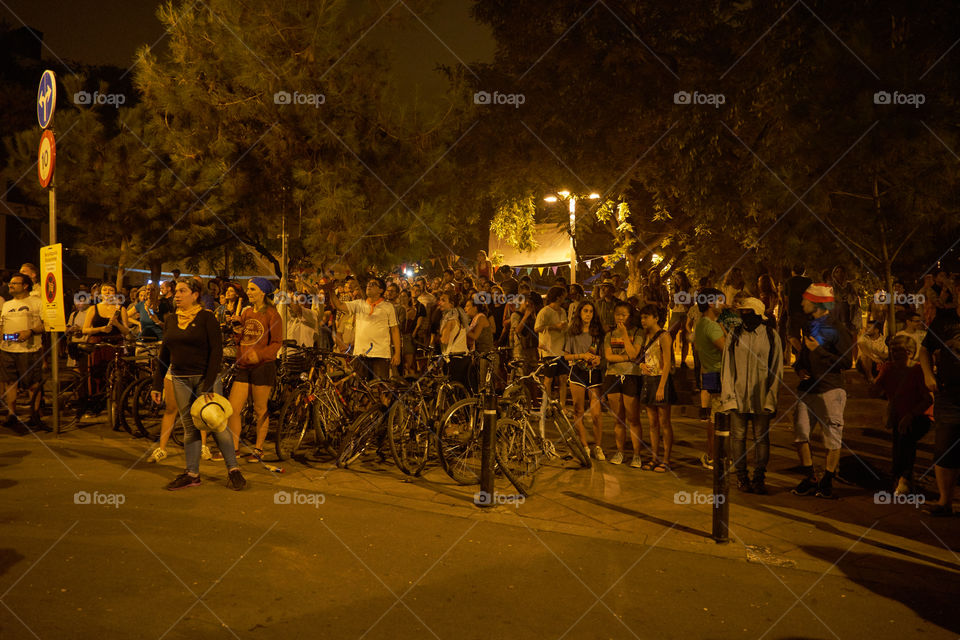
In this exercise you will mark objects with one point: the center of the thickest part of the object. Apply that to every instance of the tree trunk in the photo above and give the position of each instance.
(887, 262)
(635, 267)
(156, 270)
(121, 263)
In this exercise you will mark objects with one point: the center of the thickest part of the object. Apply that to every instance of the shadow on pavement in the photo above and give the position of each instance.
(16, 456)
(829, 528)
(637, 514)
(8, 558)
(923, 588)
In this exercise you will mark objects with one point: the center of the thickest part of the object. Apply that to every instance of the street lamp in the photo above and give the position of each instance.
(572, 198)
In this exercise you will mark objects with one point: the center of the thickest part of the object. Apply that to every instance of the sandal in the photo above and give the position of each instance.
(648, 465)
(661, 467)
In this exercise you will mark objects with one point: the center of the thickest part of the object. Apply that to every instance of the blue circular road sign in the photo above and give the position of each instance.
(46, 98)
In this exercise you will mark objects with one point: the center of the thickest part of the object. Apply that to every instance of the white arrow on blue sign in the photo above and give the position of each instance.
(46, 98)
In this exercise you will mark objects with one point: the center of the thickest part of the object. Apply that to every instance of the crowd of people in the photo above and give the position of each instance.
(617, 350)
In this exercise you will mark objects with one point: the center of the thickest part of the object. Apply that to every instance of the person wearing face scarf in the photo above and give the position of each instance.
(749, 382)
(192, 348)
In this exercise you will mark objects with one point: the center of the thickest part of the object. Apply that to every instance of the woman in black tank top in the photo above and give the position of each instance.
(107, 320)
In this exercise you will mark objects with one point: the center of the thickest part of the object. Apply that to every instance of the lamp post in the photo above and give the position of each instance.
(572, 199)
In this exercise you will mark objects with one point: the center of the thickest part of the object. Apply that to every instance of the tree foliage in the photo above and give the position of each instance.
(734, 131)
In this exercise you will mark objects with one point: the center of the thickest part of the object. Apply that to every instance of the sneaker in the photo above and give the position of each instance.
(205, 453)
(903, 487)
(236, 481)
(636, 463)
(157, 455)
(744, 486)
(825, 488)
(706, 463)
(616, 458)
(216, 456)
(256, 455)
(184, 481)
(598, 454)
(807, 487)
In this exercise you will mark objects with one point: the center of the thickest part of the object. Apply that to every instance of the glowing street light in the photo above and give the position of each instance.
(572, 199)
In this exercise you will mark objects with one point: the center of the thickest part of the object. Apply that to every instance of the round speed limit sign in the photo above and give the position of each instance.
(46, 158)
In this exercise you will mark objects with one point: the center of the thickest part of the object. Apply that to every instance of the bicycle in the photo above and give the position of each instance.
(327, 399)
(413, 422)
(97, 390)
(520, 449)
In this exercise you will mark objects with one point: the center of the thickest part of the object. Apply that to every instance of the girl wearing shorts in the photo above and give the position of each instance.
(582, 349)
(621, 387)
(657, 393)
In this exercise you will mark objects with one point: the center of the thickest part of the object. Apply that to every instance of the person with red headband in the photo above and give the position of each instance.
(377, 338)
(823, 354)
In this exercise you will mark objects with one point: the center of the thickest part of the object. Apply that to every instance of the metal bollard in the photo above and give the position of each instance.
(487, 458)
(721, 483)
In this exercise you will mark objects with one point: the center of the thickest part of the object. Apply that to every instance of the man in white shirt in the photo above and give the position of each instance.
(551, 323)
(377, 336)
(916, 332)
(873, 351)
(20, 357)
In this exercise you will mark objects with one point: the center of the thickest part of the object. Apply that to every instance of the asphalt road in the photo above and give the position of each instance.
(129, 560)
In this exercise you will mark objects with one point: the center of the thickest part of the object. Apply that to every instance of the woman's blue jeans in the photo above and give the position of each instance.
(185, 392)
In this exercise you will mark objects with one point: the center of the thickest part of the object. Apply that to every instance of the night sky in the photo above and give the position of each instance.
(110, 31)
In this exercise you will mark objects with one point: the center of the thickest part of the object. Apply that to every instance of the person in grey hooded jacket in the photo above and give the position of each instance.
(749, 380)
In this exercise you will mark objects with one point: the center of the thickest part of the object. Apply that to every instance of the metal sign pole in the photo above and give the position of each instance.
(54, 356)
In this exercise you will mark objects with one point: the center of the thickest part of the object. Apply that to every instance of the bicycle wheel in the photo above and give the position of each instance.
(330, 421)
(518, 455)
(409, 435)
(458, 441)
(125, 408)
(146, 413)
(559, 419)
(72, 399)
(294, 419)
(248, 423)
(363, 430)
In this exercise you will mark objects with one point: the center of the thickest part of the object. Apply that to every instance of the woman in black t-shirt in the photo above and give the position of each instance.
(193, 349)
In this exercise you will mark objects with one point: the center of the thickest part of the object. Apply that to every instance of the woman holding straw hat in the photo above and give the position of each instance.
(193, 349)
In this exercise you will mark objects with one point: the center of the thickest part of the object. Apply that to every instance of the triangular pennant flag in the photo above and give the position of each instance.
(517, 270)
(540, 269)
(529, 270)
(555, 270)
(456, 258)
(588, 263)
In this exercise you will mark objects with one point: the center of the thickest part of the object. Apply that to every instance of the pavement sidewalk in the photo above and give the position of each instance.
(91, 538)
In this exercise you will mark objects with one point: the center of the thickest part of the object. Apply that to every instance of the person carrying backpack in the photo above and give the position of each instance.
(750, 379)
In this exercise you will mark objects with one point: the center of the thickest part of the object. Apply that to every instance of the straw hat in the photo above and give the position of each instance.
(211, 415)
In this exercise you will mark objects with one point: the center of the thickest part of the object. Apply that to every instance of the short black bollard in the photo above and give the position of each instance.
(721, 483)
(487, 490)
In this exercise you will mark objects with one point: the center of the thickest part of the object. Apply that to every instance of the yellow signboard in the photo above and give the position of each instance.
(51, 293)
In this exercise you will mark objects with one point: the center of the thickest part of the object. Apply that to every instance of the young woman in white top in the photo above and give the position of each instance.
(453, 337)
(658, 393)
